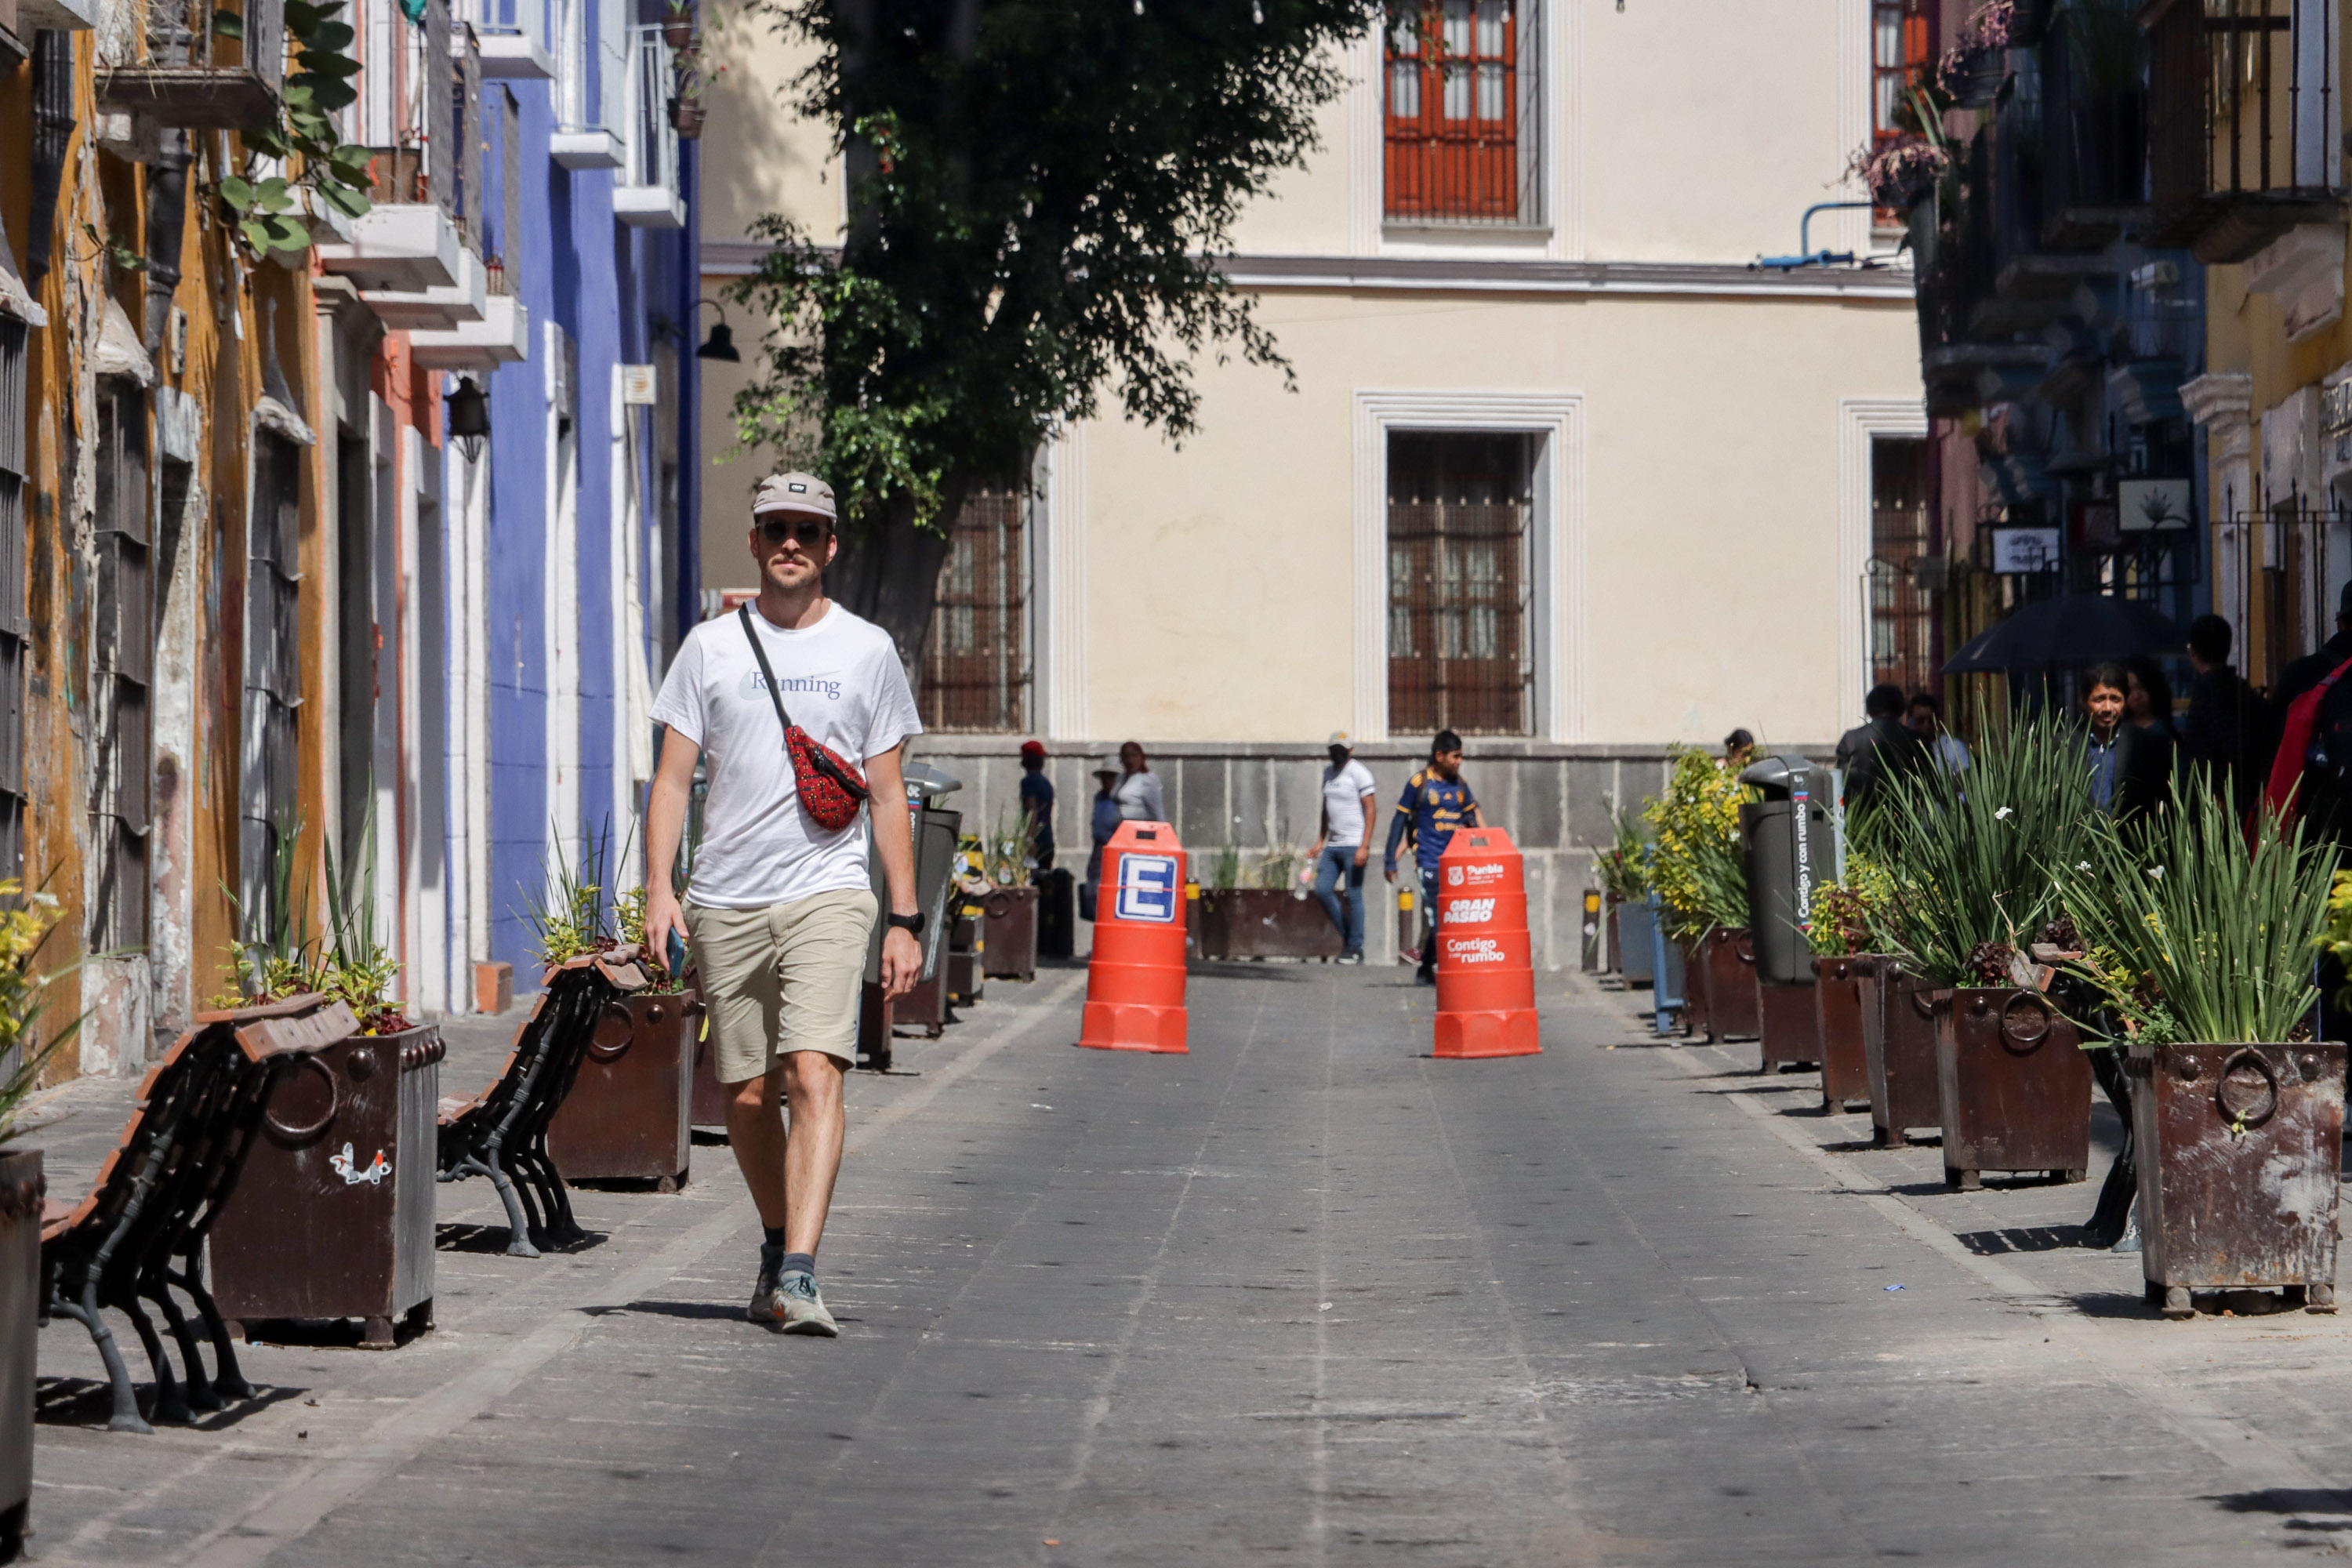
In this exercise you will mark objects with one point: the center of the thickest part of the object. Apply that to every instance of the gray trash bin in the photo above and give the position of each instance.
(1791, 846)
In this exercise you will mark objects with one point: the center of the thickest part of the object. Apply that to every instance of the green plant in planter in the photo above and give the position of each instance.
(1221, 868)
(1698, 868)
(1845, 914)
(2191, 936)
(25, 922)
(1971, 854)
(566, 913)
(1623, 865)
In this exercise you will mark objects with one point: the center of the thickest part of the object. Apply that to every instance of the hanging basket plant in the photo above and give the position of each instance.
(1900, 170)
(677, 26)
(685, 115)
(1973, 68)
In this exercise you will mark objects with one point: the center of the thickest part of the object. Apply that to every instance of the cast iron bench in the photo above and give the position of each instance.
(138, 1233)
(502, 1133)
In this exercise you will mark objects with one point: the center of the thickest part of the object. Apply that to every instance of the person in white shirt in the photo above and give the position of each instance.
(1349, 811)
(1137, 790)
(782, 909)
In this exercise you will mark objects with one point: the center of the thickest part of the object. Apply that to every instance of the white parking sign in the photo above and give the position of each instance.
(1146, 888)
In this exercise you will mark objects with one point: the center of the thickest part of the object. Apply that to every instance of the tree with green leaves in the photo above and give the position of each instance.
(301, 136)
(1039, 192)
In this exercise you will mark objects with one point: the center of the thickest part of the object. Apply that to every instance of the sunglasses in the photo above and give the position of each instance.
(809, 531)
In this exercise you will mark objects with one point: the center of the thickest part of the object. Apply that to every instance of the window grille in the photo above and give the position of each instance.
(2278, 576)
(1463, 122)
(13, 628)
(122, 666)
(1902, 612)
(1460, 579)
(976, 671)
(268, 806)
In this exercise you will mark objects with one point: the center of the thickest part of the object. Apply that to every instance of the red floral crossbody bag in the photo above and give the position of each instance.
(831, 787)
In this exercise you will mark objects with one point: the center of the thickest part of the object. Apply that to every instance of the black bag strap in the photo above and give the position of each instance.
(760, 654)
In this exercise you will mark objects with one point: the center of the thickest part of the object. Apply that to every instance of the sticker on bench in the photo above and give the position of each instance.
(352, 1176)
(1146, 888)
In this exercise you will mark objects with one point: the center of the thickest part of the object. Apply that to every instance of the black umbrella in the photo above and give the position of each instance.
(2080, 628)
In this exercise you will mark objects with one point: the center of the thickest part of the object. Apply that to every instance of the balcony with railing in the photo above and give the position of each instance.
(2244, 123)
(646, 193)
(198, 72)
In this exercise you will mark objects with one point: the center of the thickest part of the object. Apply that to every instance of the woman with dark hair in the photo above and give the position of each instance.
(1739, 749)
(2150, 742)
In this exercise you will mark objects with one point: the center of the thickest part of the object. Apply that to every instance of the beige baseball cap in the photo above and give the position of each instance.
(794, 492)
(1339, 738)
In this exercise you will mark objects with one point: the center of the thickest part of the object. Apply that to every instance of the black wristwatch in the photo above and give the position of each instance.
(910, 924)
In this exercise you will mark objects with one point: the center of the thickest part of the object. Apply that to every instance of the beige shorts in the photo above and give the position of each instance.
(784, 978)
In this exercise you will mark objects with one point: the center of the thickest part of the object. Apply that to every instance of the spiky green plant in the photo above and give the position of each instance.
(2191, 935)
(1698, 868)
(1623, 864)
(1970, 854)
(566, 912)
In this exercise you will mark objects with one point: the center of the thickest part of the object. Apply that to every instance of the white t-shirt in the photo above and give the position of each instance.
(843, 683)
(1344, 789)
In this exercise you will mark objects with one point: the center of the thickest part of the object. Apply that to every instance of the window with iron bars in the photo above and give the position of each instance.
(2278, 575)
(1460, 579)
(268, 806)
(1463, 113)
(976, 669)
(1902, 612)
(13, 628)
(123, 661)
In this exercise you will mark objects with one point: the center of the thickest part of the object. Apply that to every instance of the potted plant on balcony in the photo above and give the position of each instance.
(687, 109)
(1973, 68)
(1970, 858)
(2199, 947)
(1700, 872)
(678, 27)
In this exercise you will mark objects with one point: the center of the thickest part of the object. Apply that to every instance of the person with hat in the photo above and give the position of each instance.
(1104, 824)
(799, 709)
(1350, 807)
(1036, 805)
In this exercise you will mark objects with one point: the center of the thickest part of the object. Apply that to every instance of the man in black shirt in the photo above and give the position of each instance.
(1882, 751)
(2230, 734)
(2313, 668)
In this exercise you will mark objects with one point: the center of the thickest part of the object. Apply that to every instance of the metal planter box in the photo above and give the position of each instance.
(1264, 922)
(1697, 1015)
(627, 1115)
(1788, 1024)
(22, 1188)
(2239, 1149)
(2014, 1085)
(1898, 1043)
(1009, 933)
(332, 1214)
(1629, 943)
(1837, 1024)
(1734, 1010)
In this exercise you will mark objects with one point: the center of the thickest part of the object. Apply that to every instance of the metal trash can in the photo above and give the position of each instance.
(332, 1214)
(1057, 915)
(1791, 846)
(628, 1112)
(936, 830)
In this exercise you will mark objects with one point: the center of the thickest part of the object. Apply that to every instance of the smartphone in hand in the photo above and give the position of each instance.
(677, 954)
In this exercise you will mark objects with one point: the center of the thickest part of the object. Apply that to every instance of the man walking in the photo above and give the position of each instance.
(1434, 803)
(1882, 751)
(782, 907)
(1348, 807)
(1036, 805)
(2230, 734)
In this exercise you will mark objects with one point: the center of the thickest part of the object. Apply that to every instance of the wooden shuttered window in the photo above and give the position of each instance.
(13, 628)
(268, 806)
(1460, 581)
(123, 670)
(976, 669)
(1461, 113)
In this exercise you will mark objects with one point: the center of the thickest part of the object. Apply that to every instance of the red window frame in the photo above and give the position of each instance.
(1902, 50)
(1450, 90)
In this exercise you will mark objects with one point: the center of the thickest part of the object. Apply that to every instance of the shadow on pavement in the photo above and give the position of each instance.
(493, 1239)
(89, 1402)
(2022, 1238)
(2292, 1500)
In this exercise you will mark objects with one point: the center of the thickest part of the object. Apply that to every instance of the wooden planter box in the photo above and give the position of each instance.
(1264, 922)
(1009, 933)
(22, 1187)
(332, 1213)
(627, 1114)
(1697, 1015)
(1788, 1024)
(1837, 1024)
(1898, 1043)
(2015, 1087)
(2238, 1151)
(1734, 1007)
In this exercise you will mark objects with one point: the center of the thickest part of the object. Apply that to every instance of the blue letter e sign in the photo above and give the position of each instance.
(1146, 888)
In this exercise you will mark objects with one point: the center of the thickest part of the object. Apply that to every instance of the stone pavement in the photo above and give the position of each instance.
(1305, 1295)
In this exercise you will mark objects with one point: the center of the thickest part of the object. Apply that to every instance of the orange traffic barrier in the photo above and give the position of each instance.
(1486, 978)
(1135, 982)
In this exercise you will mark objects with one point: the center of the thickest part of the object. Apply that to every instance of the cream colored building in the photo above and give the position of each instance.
(1652, 462)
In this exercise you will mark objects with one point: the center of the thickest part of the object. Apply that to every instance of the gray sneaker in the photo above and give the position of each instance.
(767, 1305)
(801, 1309)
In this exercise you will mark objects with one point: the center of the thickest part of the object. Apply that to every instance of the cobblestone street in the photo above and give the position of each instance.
(1305, 1295)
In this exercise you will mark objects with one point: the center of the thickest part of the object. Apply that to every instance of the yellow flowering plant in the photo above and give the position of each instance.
(1698, 867)
(25, 922)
